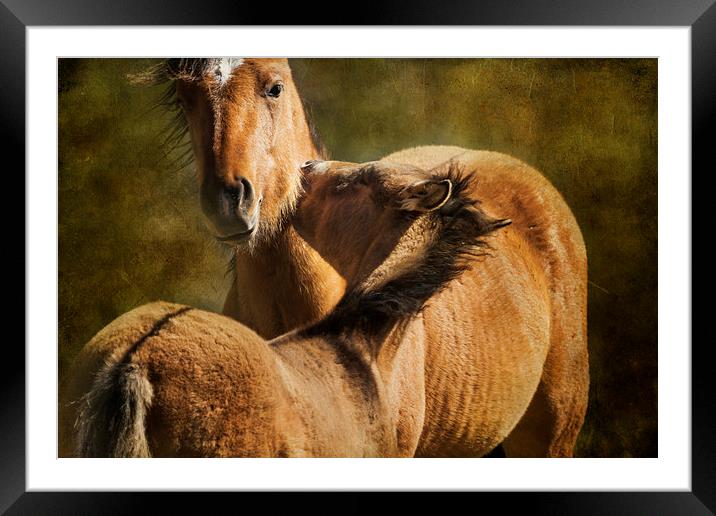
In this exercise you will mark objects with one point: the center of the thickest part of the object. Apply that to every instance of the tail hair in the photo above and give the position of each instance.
(111, 416)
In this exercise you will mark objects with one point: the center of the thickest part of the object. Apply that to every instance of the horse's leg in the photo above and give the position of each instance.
(555, 415)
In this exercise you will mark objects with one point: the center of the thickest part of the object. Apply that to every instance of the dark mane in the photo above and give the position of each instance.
(461, 226)
(188, 69)
(166, 73)
(176, 148)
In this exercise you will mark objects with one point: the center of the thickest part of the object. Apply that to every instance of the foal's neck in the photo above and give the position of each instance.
(282, 285)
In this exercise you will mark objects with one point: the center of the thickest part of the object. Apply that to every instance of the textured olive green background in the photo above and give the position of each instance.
(130, 230)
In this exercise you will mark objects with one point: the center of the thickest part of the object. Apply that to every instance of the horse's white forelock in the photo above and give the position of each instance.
(226, 66)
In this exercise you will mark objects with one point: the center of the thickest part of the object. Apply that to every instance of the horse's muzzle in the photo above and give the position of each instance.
(232, 210)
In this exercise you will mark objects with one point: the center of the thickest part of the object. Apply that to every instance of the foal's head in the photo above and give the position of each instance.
(248, 135)
(389, 226)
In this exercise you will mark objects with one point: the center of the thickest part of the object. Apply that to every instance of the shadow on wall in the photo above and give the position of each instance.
(130, 229)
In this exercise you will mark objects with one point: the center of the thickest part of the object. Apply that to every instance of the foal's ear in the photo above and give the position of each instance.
(315, 166)
(428, 195)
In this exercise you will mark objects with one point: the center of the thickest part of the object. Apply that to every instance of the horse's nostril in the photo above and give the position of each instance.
(248, 191)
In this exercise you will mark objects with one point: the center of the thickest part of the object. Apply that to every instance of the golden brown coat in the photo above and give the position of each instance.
(513, 325)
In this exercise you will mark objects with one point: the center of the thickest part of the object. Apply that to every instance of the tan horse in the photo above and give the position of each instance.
(507, 342)
(167, 380)
(249, 136)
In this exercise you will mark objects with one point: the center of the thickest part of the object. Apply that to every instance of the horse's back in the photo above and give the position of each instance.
(526, 305)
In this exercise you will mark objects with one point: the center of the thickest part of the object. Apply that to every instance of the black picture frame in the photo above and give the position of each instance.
(17, 15)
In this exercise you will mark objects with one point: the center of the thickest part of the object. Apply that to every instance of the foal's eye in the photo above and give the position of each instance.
(275, 90)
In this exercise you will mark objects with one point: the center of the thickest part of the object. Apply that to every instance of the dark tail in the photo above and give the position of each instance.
(111, 416)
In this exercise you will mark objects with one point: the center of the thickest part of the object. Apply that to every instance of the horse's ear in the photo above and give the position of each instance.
(428, 195)
(315, 166)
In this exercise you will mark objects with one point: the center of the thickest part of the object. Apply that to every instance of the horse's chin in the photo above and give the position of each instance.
(241, 237)
(238, 238)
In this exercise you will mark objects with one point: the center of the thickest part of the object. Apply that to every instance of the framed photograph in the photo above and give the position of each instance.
(162, 145)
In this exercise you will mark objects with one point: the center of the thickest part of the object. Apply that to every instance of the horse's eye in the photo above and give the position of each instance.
(275, 90)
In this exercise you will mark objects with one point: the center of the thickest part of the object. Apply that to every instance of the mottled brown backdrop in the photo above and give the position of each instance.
(130, 229)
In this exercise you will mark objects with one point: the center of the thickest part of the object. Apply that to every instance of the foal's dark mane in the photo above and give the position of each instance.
(460, 225)
(167, 72)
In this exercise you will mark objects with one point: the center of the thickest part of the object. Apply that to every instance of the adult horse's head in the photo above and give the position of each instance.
(249, 135)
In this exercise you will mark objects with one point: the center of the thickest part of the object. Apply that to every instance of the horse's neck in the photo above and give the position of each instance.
(282, 285)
